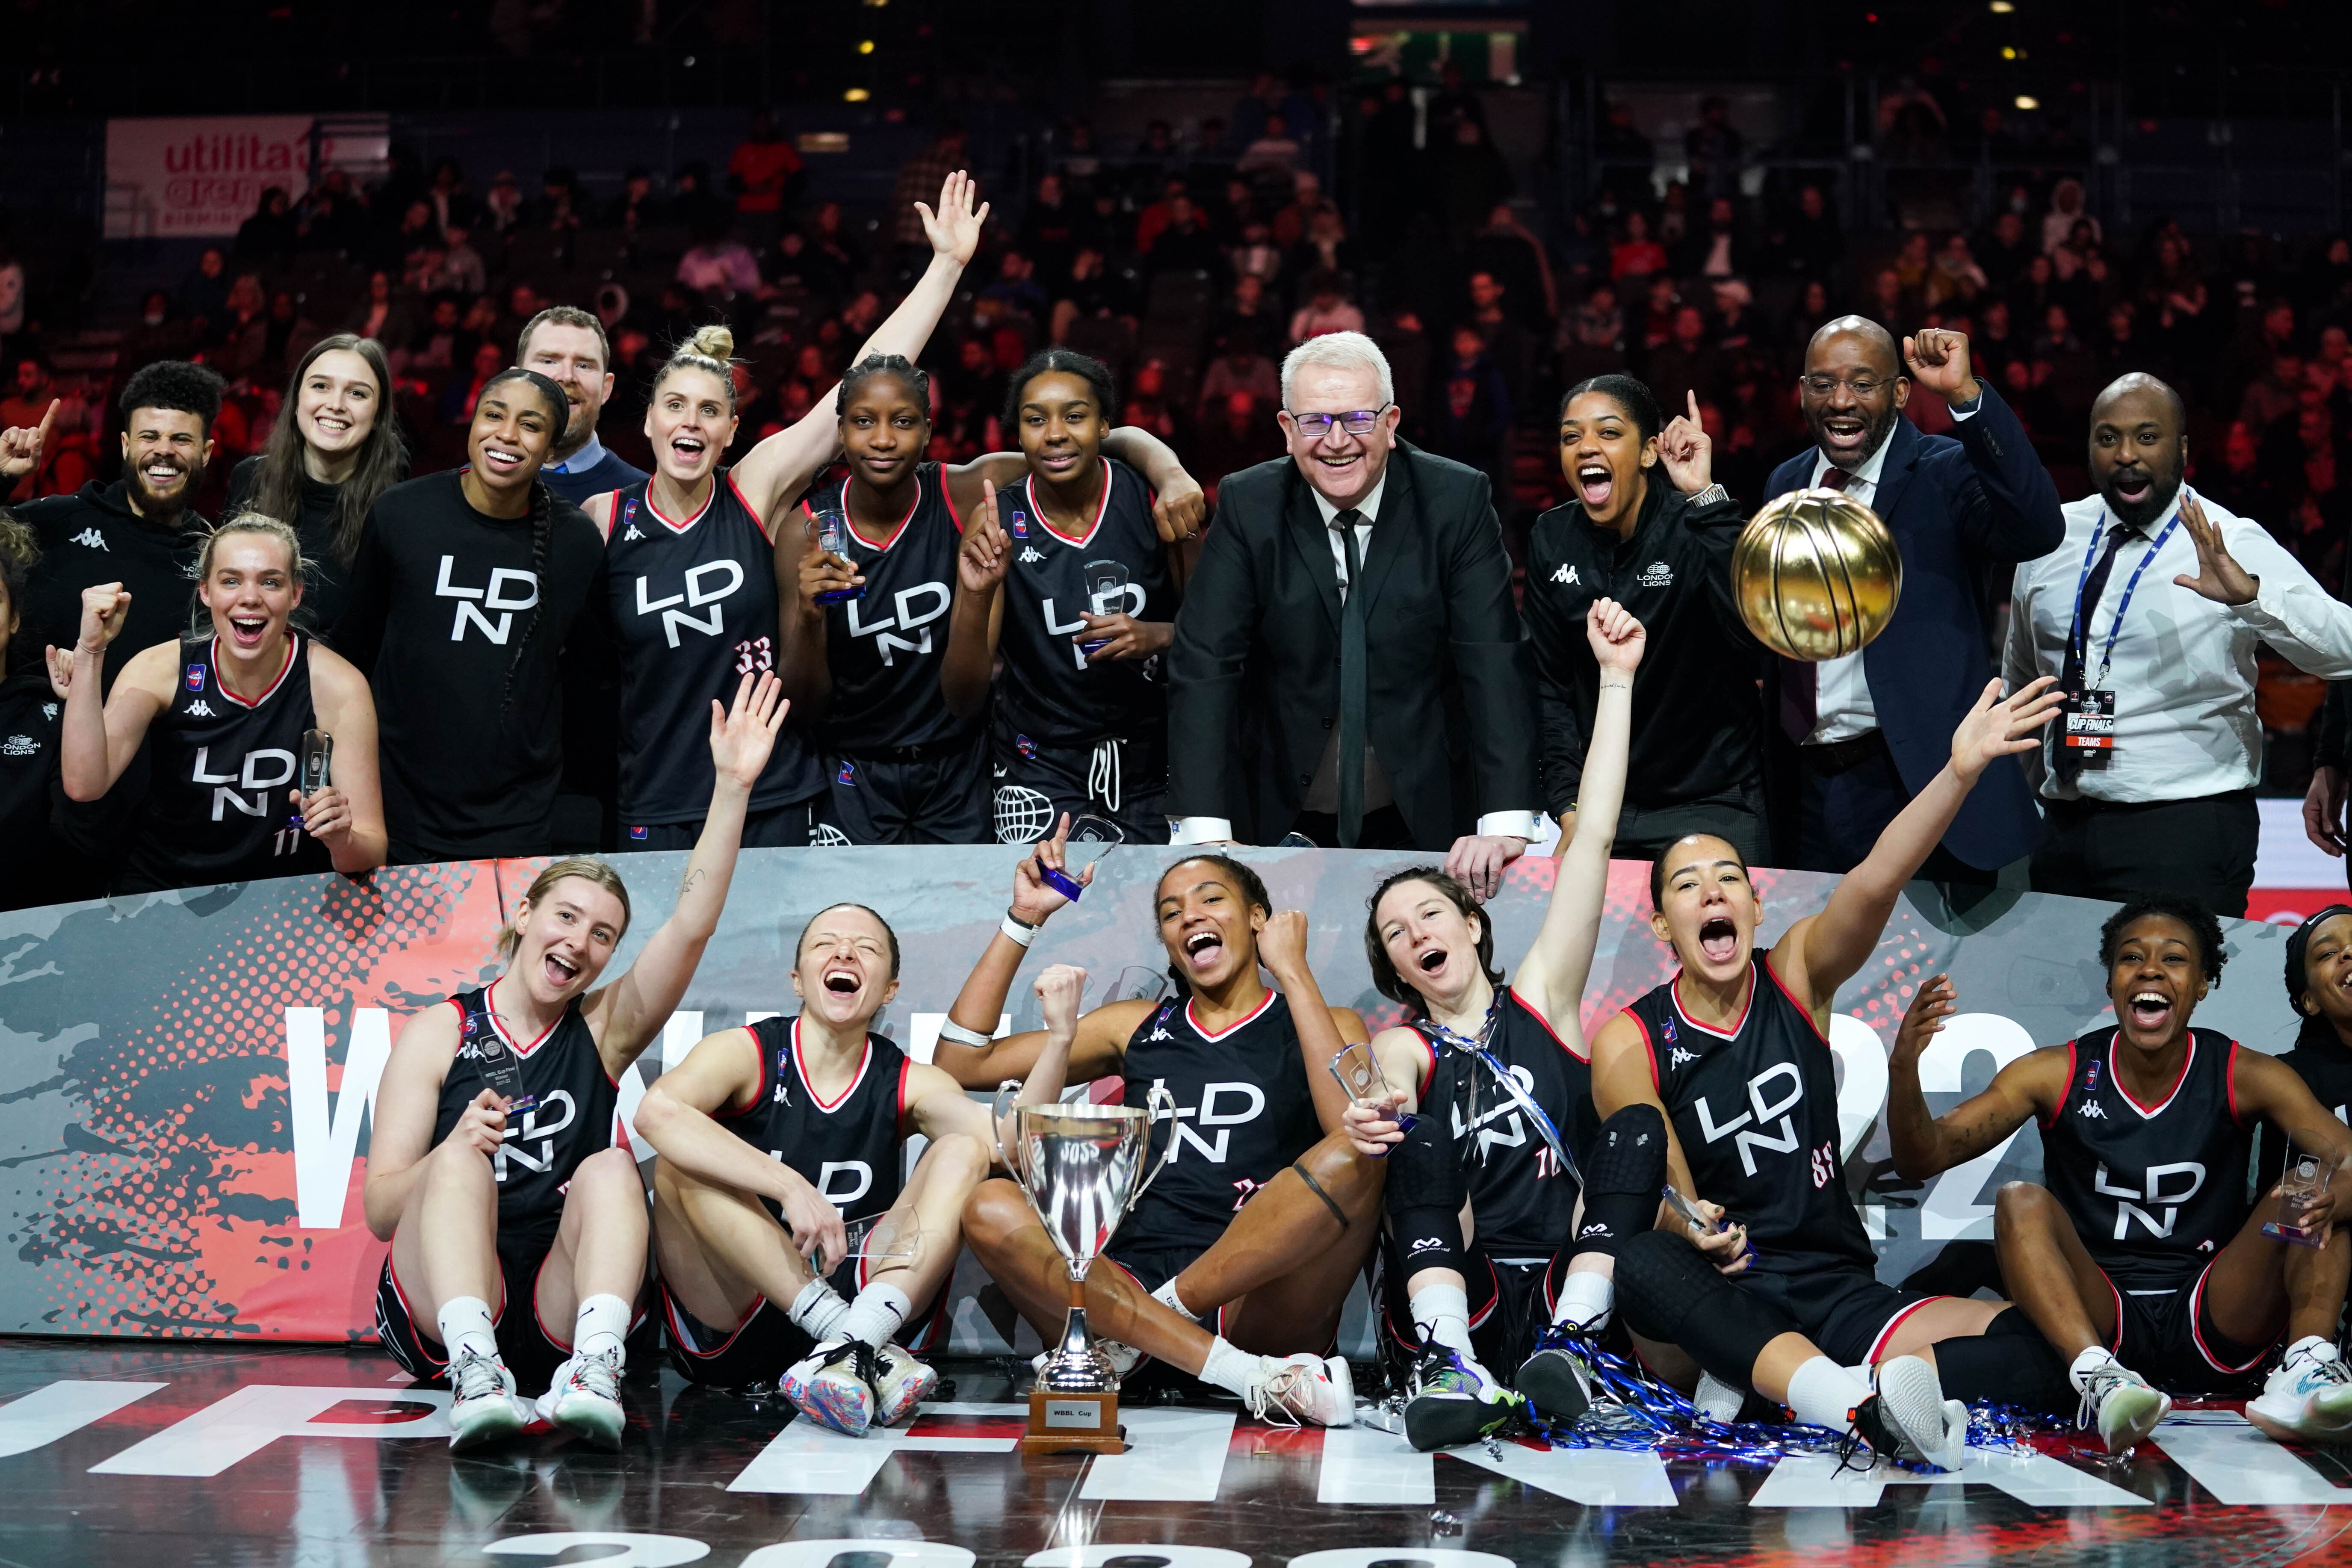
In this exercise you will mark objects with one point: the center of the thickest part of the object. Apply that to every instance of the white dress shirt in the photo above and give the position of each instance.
(2183, 674)
(581, 461)
(1322, 791)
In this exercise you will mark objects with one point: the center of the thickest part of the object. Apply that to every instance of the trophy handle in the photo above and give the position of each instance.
(1159, 1092)
(1005, 1092)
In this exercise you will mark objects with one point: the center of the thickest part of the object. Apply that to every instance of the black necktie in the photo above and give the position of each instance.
(1351, 685)
(2069, 764)
(1800, 678)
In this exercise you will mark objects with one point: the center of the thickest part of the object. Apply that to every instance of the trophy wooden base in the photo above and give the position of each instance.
(1074, 1424)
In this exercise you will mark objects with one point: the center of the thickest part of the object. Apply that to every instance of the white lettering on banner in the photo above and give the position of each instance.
(1099, 1554)
(694, 595)
(901, 1553)
(493, 597)
(1862, 1079)
(906, 619)
(257, 1415)
(643, 1550)
(38, 1419)
(325, 1144)
(1950, 1210)
(188, 175)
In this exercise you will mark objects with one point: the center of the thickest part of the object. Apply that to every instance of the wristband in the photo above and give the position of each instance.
(1017, 931)
(952, 1030)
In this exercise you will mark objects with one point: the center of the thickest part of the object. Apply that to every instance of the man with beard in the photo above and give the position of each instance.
(2149, 614)
(1849, 741)
(567, 345)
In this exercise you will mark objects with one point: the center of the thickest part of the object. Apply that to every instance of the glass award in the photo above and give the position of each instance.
(2299, 1187)
(832, 538)
(318, 761)
(501, 1069)
(1105, 595)
(1359, 1072)
(878, 1238)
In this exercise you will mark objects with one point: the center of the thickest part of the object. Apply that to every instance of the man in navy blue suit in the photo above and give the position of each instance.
(1848, 740)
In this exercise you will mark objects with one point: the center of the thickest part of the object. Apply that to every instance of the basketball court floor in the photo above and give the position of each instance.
(119, 1457)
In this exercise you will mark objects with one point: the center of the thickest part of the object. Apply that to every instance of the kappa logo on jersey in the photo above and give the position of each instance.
(1657, 574)
(1566, 573)
(1762, 1109)
(2158, 1185)
(910, 617)
(2090, 1110)
(536, 1128)
(200, 709)
(1030, 556)
(260, 772)
(19, 746)
(195, 678)
(634, 532)
(1216, 1111)
(498, 595)
(90, 539)
(50, 710)
(1681, 1057)
(701, 588)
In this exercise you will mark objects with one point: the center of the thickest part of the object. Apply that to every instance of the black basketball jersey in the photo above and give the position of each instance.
(849, 1149)
(1522, 1199)
(1049, 690)
(1755, 1112)
(2155, 1191)
(884, 648)
(2326, 1070)
(694, 608)
(574, 1117)
(220, 807)
(1242, 1114)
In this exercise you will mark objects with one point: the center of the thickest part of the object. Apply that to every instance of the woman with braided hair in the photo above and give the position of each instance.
(465, 590)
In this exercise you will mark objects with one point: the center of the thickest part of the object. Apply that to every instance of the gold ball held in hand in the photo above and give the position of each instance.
(1817, 574)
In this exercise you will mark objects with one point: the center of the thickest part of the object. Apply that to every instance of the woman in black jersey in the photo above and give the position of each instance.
(223, 713)
(2140, 1246)
(31, 711)
(1734, 1051)
(466, 589)
(2319, 987)
(335, 448)
(495, 1174)
(693, 555)
(1476, 1148)
(1256, 1225)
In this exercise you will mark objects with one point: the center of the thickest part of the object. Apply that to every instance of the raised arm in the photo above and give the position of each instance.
(1323, 1030)
(1179, 509)
(1925, 1144)
(99, 734)
(1550, 978)
(626, 1015)
(938, 1104)
(2012, 512)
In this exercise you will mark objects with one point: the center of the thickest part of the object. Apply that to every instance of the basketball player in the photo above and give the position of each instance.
(1483, 1197)
(772, 1138)
(2141, 1259)
(222, 713)
(1235, 1263)
(691, 562)
(508, 1215)
(1734, 1051)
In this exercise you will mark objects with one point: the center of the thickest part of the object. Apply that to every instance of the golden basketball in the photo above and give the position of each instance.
(1817, 574)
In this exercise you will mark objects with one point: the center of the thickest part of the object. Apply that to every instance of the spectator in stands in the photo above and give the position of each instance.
(1810, 243)
(766, 173)
(557, 207)
(1475, 413)
(1686, 365)
(693, 205)
(1509, 345)
(1325, 244)
(31, 393)
(2066, 211)
(2276, 394)
(1015, 287)
(1636, 257)
(2004, 252)
(2167, 669)
(1598, 325)
(2240, 484)
(41, 869)
(1183, 244)
(462, 267)
(568, 346)
(375, 317)
(463, 393)
(1507, 250)
(1954, 279)
(1717, 251)
(159, 334)
(1237, 431)
(1241, 366)
(636, 207)
(1472, 179)
(452, 203)
(523, 303)
(267, 238)
(1714, 147)
(719, 266)
(1247, 313)
(333, 217)
(1049, 230)
(1327, 309)
(1627, 154)
(204, 292)
(1272, 149)
(502, 207)
(830, 237)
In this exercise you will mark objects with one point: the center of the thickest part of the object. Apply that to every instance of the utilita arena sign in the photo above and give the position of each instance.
(186, 177)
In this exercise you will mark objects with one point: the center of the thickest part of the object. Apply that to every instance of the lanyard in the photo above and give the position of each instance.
(1524, 1100)
(2078, 635)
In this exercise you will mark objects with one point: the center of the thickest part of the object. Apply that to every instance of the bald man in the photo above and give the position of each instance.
(2149, 614)
(1848, 741)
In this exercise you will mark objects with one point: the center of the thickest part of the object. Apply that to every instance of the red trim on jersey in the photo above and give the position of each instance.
(1649, 1051)
(916, 505)
(1251, 1018)
(2197, 1330)
(703, 512)
(1878, 1345)
(905, 1064)
(947, 494)
(801, 1067)
(1536, 1014)
(2065, 1094)
(2188, 1060)
(760, 1093)
(415, 1333)
(1102, 506)
(293, 646)
(2230, 1082)
(679, 1331)
(1803, 1011)
(1675, 995)
(517, 1047)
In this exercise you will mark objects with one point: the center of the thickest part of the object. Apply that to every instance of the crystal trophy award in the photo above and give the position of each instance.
(1105, 595)
(1359, 1072)
(2299, 1187)
(318, 762)
(500, 1068)
(832, 538)
(1082, 1168)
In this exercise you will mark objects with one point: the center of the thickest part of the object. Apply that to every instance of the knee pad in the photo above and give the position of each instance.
(1424, 1193)
(1667, 1290)
(1624, 1168)
(2010, 1363)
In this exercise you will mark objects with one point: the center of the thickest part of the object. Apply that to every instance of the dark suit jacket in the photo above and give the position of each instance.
(1253, 674)
(1962, 510)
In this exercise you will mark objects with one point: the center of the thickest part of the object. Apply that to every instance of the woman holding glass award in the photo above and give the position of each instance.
(692, 556)
(494, 1172)
(2141, 1246)
(262, 743)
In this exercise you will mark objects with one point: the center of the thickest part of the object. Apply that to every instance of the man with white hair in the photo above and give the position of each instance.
(1401, 715)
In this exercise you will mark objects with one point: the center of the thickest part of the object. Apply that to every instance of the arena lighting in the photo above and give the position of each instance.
(864, 46)
(2002, 7)
(2009, 52)
(855, 95)
(2027, 101)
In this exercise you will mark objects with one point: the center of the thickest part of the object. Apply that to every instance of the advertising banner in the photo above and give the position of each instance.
(185, 1079)
(179, 178)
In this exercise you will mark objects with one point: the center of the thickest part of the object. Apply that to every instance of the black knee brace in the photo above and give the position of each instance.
(2010, 1363)
(1624, 1168)
(1667, 1290)
(1425, 1195)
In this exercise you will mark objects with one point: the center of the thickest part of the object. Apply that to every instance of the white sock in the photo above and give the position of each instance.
(2089, 1361)
(1166, 1296)
(465, 1323)
(1585, 1298)
(1442, 1313)
(1235, 1371)
(2312, 1346)
(1825, 1393)
(817, 1310)
(875, 1315)
(602, 1321)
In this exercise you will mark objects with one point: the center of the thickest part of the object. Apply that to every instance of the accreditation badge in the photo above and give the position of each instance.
(2088, 721)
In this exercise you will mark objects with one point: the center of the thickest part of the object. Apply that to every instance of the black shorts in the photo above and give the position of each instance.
(1153, 1266)
(531, 1350)
(792, 826)
(1511, 1302)
(2168, 1338)
(938, 795)
(765, 1345)
(1121, 784)
(1845, 1311)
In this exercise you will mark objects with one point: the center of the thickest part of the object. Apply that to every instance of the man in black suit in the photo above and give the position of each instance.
(1849, 741)
(1401, 716)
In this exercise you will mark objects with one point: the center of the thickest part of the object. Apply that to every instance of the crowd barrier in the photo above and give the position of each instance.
(185, 1078)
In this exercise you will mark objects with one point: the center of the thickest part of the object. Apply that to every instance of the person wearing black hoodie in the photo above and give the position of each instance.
(40, 871)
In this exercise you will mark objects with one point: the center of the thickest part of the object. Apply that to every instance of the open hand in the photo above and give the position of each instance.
(743, 733)
(2219, 576)
(1478, 860)
(954, 229)
(1924, 1019)
(1998, 728)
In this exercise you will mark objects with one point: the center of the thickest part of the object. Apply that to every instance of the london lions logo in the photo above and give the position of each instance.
(19, 746)
(1657, 574)
(90, 539)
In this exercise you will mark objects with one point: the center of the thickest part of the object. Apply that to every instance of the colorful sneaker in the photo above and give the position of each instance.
(2309, 1396)
(900, 1383)
(584, 1399)
(1304, 1389)
(485, 1408)
(1907, 1417)
(1455, 1401)
(2124, 1406)
(1557, 1376)
(833, 1386)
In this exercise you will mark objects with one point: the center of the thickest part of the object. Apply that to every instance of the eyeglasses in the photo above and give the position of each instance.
(1359, 422)
(1861, 386)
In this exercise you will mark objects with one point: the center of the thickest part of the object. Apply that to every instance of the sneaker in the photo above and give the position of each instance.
(584, 1399)
(900, 1383)
(1907, 1417)
(1124, 1359)
(1304, 1389)
(1455, 1401)
(485, 1408)
(1557, 1378)
(2123, 1404)
(2308, 1396)
(833, 1386)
